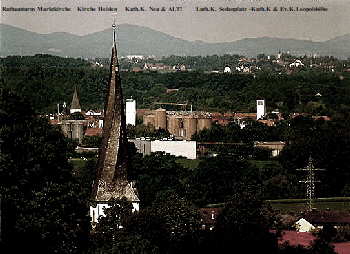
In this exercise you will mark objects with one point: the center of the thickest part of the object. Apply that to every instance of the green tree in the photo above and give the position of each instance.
(92, 141)
(129, 244)
(146, 224)
(120, 231)
(180, 221)
(116, 215)
(328, 144)
(168, 228)
(158, 176)
(216, 179)
(242, 226)
(42, 204)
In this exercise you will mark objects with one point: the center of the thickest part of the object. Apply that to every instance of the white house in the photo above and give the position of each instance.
(303, 225)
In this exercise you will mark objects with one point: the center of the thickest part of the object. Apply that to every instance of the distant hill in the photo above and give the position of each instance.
(145, 41)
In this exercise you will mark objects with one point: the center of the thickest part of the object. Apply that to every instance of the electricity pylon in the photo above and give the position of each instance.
(310, 182)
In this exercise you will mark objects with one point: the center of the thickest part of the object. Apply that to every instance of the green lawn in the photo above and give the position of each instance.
(190, 164)
(321, 204)
(78, 164)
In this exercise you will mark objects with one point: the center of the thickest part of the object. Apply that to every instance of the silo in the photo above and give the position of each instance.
(149, 120)
(190, 126)
(74, 129)
(174, 125)
(204, 123)
(78, 131)
(160, 121)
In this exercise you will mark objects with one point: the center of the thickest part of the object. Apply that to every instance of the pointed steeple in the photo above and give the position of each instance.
(75, 106)
(113, 163)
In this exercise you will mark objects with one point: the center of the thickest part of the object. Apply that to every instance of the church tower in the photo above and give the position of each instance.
(113, 162)
(75, 106)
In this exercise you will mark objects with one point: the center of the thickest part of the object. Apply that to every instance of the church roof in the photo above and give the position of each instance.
(113, 163)
(75, 101)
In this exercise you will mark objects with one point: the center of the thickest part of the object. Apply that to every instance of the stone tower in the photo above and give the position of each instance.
(113, 162)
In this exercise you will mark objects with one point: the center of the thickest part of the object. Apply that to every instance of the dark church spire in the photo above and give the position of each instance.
(113, 163)
(75, 106)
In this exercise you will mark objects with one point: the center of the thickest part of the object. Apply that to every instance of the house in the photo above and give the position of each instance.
(296, 63)
(303, 225)
(319, 219)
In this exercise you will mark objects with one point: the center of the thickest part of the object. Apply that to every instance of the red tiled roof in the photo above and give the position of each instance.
(267, 122)
(342, 248)
(54, 122)
(305, 239)
(327, 217)
(244, 115)
(296, 238)
(93, 132)
(326, 118)
(292, 115)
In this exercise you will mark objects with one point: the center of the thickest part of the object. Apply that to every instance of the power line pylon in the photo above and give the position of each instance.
(310, 182)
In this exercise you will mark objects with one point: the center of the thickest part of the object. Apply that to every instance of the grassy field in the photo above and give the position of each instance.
(321, 204)
(190, 164)
(78, 164)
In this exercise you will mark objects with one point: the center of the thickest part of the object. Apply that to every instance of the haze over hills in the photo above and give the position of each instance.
(139, 40)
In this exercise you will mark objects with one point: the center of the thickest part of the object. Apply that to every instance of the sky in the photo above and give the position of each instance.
(189, 22)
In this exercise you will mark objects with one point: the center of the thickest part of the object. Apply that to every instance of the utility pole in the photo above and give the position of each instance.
(310, 182)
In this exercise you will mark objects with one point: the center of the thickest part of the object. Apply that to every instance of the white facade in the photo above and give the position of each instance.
(178, 148)
(303, 225)
(227, 69)
(260, 109)
(130, 111)
(96, 211)
(100, 123)
(130, 57)
(73, 110)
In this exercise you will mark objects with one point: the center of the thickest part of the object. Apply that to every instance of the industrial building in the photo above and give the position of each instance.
(74, 129)
(182, 148)
(182, 125)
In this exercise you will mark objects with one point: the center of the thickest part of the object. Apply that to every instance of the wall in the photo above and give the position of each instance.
(143, 146)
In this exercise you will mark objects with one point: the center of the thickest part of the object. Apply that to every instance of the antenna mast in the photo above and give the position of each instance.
(114, 26)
